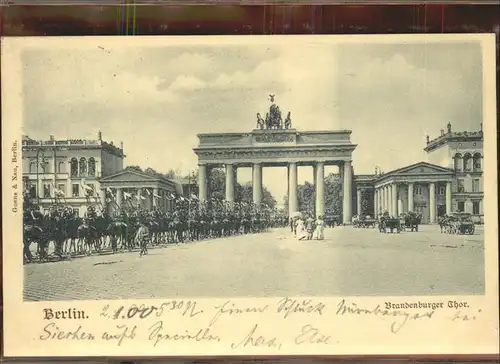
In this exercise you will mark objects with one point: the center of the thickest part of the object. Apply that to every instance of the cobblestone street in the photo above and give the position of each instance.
(349, 261)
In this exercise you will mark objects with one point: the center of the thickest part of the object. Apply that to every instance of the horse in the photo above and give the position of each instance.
(87, 236)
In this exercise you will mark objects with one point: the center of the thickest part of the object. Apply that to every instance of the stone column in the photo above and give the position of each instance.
(400, 201)
(118, 199)
(257, 183)
(293, 203)
(102, 195)
(448, 198)
(347, 211)
(358, 201)
(202, 182)
(375, 202)
(410, 197)
(386, 199)
(229, 183)
(432, 202)
(139, 195)
(381, 198)
(394, 199)
(155, 199)
(320, 188)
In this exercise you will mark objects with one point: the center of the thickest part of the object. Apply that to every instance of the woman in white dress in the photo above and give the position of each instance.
(301, 232)
(320, 228)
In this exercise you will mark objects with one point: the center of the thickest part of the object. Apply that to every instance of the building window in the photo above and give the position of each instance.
(46, 191)
(442, 190)
(32, 191)
(467, 163)
(475, 207)
(461, 206)
(74, 167)
(460, 186)
(76, 190)
(62, 188)
(458, 162)
(91, 166)
(61, 167)
(418, 190)
(477, 162)
(83, 166)
(475, 185)
(32, 167)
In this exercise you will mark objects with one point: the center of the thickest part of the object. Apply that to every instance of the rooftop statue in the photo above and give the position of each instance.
(274, 119)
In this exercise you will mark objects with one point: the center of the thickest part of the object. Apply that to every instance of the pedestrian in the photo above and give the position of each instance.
(310, 227)
(300, 231)
(320, 227)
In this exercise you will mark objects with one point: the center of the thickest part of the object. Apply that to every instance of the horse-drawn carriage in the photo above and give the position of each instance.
(391, 223)
(410, 220)
(457, 223)
(364, 222)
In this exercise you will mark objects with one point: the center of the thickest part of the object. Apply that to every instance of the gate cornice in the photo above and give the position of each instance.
(275, 147)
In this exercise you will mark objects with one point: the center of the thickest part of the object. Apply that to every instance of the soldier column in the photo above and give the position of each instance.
(292, 188)
(320, 188)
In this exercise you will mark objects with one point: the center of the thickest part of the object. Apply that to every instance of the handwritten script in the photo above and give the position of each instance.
(238, 326)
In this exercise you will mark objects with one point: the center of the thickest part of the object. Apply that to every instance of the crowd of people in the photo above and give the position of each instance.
(131, 227)
(306, 227)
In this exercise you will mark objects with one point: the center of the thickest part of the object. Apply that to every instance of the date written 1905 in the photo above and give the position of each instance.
(184, 308)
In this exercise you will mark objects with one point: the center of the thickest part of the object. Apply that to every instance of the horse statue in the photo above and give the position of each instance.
(260, 122)
(288, 121)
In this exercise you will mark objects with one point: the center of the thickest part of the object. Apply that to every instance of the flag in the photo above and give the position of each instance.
(126, 195)
(172, 197)
(108, 190)
(57, 191)
(157, 196)
(148, 191)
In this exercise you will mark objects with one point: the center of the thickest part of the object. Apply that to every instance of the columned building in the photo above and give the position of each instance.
(453, 182)
(133, 188)
(68, 170)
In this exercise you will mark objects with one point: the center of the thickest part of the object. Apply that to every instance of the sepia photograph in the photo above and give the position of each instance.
(250, 195)
(253, 170)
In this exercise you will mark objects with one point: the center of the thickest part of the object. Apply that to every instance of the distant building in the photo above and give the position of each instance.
(61, 168)
(451, 181)
(133, 187)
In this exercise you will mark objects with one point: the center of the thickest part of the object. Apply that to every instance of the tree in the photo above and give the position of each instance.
(136, 168)
(306, 194)
(244, 192)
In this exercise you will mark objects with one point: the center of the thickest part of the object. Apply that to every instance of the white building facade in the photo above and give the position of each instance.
(61, 168)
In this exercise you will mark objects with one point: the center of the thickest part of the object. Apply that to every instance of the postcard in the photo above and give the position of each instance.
(249, 195)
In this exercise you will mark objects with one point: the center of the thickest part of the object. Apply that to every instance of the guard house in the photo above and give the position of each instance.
(132, 187)
(451, 181)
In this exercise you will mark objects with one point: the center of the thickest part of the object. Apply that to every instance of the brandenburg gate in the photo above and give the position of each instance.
(276, 143)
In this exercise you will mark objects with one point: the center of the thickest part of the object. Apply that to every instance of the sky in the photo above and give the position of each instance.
(155, 99)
